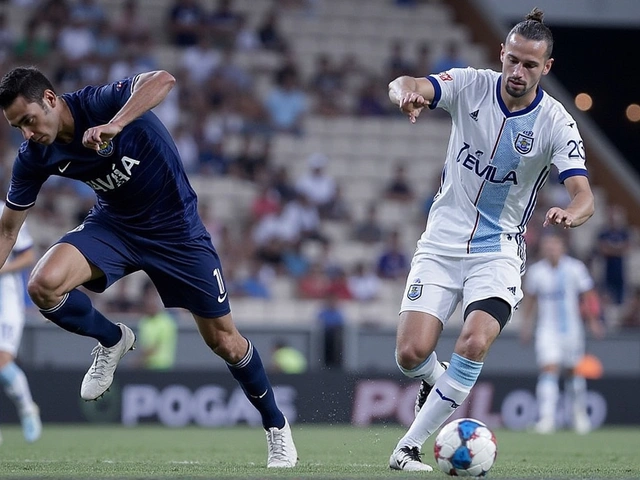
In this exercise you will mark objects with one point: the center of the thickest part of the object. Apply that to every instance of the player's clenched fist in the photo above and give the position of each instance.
(412, 104)
(558, 216)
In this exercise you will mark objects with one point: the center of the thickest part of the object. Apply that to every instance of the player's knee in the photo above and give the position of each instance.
(42, 289)
(410, 356)
(472, 346)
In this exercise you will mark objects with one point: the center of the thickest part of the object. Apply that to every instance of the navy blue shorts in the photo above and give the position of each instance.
(187, 273)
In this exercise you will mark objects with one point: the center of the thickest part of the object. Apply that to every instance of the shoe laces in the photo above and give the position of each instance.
(277, 444)
(102, 357)
(412, 454)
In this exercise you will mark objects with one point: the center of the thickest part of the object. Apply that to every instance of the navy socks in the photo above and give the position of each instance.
(250, 374)
(76, 314)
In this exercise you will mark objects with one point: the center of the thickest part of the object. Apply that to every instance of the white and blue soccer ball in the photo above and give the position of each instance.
(465, 448)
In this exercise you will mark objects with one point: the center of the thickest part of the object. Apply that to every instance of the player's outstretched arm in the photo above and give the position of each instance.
(411, 95)
(149, 90)
(10, 224)
(579, 210)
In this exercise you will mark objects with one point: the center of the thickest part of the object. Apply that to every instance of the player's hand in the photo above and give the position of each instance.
(96, 138)
(412, 104)
(558, 216)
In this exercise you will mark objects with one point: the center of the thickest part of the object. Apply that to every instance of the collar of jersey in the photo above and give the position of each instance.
(517, 113)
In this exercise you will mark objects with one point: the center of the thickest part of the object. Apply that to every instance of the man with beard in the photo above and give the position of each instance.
(506, 133)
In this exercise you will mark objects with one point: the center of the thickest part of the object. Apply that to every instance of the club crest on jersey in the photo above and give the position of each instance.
(524, 142)
(106, 149)
(414, 292)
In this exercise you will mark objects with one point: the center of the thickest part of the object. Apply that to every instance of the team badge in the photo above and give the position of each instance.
(106, 149)
(524, 143)
(414, 292)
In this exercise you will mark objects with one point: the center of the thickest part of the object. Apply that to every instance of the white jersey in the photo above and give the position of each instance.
(497, 162)
(558, 290)
(12, 297)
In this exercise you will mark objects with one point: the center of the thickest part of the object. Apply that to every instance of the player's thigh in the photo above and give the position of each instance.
(100, 255)
(61, 269)
(492, 276)
(434, 286)
(188, 275)
(417, 336)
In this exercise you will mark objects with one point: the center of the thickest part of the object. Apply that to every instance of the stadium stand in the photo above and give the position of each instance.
(361, 149)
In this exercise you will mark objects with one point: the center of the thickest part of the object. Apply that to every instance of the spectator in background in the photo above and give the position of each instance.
(12, 317)
(187, 147)
(254, 282)
(88, 11)
(423, 63)
(269, 32)
(7, 39)
(314, 284)
(363, 283)
(121, 301)
(282, 184)
(397, 64)
(316, 184)
(369, 230)
(613, 247)
(326, 78)
(246, 38)
(287, 103)
(287, 359)
(339, 208)
(201, 59)
(266, 201)
(369, 101)
(393, 263)
(449, 58)
(129, 24)
(224, 24)
(34, 46)
(332, 320)
(185, 22)
(399, 188)
(157, 332)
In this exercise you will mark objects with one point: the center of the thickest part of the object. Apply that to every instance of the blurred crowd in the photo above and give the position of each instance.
(81, 42)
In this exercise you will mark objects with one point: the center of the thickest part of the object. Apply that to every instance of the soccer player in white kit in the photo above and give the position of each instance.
(12, 311)
(506, 133)
(555, 286)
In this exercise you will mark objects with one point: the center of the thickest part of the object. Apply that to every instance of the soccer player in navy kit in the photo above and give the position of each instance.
(145, 218)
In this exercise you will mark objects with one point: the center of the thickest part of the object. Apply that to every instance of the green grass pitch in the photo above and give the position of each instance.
(336, 452)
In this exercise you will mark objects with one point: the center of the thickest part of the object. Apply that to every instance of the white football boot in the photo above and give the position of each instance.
(408, 459)
(282, 451)
(100, 375)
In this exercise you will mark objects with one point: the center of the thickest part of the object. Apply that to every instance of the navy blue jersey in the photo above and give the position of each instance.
(138, 178)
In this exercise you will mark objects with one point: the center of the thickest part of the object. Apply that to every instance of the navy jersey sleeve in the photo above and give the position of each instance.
(26, 179)
(105, 101)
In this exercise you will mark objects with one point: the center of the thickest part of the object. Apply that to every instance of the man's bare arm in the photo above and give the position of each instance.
(10, 224)
(149, 90)
(411, 95)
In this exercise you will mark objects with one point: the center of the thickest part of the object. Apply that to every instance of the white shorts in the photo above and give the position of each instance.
(436, 284)
(11, 315)
(553, 348)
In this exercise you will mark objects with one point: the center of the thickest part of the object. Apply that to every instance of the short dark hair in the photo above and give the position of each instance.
(532, 28)
(28, 82)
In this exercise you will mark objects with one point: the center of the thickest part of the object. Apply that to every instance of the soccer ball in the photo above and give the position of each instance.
(465, 448)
